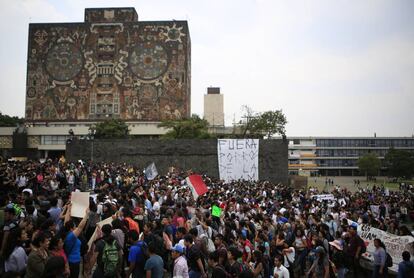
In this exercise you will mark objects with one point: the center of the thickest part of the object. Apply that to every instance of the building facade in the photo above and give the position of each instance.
(338, 156)
(110, 66)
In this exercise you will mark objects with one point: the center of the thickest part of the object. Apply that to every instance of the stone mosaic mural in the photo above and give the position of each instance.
(112, 65)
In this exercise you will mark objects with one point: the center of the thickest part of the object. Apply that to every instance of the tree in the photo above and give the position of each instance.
(110, 129)
(267, 123)
(369, 164)
(400, 163)
(7, 121)
(191, 128)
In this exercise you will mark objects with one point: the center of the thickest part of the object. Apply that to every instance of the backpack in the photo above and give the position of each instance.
(110, 259)
(209, 243)
(388, 260)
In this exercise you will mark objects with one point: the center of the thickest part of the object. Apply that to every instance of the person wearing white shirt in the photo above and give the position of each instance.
(289, 256)
(280, 271)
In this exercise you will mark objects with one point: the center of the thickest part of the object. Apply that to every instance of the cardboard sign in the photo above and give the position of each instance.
(80, 202)
(97, 234)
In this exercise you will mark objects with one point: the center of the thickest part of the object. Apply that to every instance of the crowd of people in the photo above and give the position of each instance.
(157, 228)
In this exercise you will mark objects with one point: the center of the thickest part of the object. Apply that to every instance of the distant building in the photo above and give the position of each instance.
(338, 156)
(214, 107)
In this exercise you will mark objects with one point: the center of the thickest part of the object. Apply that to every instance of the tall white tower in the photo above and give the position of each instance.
(214, 107)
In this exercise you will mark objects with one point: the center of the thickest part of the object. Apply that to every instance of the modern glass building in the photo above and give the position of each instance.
(338, 156)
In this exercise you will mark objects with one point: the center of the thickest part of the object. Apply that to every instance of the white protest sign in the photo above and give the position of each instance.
(324, 197)
(394, 244)
(238, 159)
(375, 210)
(80, 202)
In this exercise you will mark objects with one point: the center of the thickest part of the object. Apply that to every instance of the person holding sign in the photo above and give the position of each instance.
(72, 244)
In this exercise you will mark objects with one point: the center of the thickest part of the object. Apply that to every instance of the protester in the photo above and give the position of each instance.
(257, 227)
(320, 267)
(54, 268)
(56, 249)
(380, 256)
(339, 258)
(154, 266)
(280, 271)
(137, 257)
(180, 262)
(14, 254)
(218, 271)
(72, 243)
(406, 267)
(108, 255)
(38, 257)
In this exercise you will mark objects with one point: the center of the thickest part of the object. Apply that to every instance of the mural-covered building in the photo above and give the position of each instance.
(110, 66)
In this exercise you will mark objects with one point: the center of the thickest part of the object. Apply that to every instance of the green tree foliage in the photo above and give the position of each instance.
(111, 129)
(191, 128)
(263, 124)
(400, 163)
(7, 121)
(369, 164)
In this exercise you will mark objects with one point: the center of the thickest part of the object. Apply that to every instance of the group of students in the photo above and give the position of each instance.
(157, 229)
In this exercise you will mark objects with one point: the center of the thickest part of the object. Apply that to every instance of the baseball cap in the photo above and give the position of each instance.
(178, 248)
(10, 209)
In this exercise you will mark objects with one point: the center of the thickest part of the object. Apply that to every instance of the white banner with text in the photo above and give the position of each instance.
(238, 159)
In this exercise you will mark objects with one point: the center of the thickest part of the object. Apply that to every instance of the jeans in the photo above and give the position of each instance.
(74, 270)
(342, 272)
(194, 274)
(302, 259)
(376, 274)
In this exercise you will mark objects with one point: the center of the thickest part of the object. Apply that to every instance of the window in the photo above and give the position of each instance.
(54, 139)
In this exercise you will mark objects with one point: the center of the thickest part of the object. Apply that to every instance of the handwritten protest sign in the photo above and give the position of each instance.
(80, 202)
(394, 244)
(238, 159)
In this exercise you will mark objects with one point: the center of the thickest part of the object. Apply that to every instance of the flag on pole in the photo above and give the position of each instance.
(151, 172)
(197, 186)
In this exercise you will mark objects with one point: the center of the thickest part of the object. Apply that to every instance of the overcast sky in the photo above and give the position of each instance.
(335, 68)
